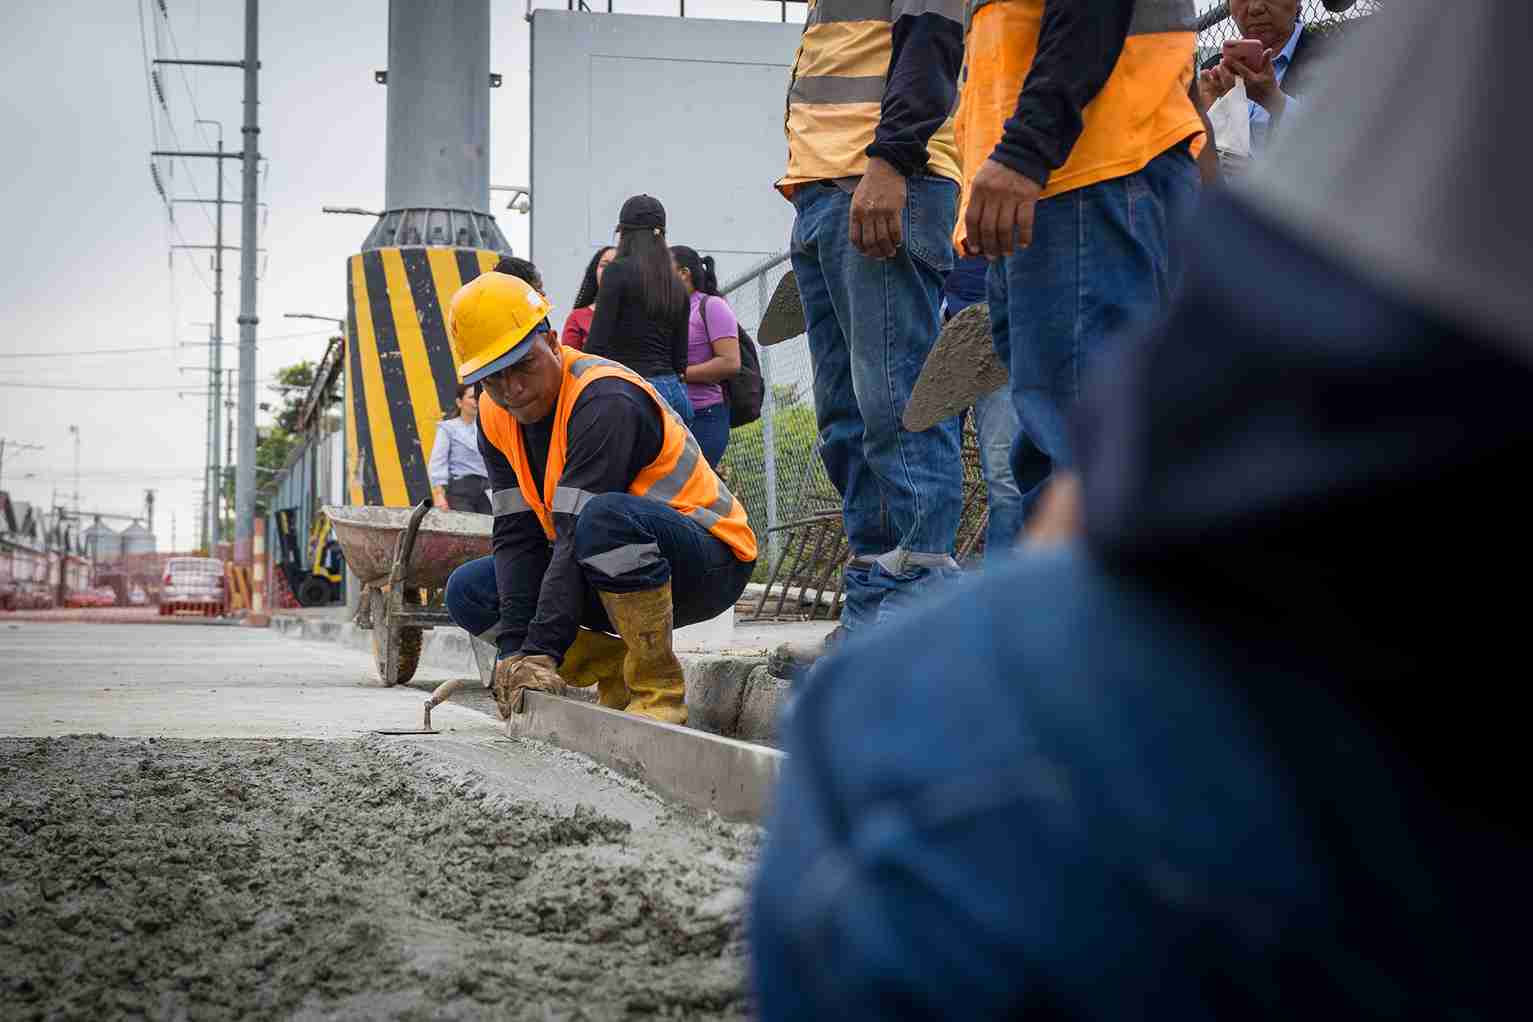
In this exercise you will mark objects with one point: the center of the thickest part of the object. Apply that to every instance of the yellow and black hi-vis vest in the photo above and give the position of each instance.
(1142, 111)
(679, 476)
(836, 95)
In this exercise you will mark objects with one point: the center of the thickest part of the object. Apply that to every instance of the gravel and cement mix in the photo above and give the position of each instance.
(362, 878)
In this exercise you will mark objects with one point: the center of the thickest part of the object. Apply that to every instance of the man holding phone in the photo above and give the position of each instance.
(1270, 57)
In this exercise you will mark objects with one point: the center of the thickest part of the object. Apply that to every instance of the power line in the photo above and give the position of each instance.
(155, 87)
(83, 386)
(170, 123)
(143, 44)
(157, 347)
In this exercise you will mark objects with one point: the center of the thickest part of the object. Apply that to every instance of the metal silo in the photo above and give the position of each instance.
(137, 540)
(102, 542)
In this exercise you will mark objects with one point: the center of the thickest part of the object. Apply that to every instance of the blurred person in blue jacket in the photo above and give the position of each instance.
(1242, 749)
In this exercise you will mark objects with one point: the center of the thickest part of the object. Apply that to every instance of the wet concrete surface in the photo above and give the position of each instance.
(454, 876)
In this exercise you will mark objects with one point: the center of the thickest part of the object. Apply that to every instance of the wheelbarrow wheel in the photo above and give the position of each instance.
(410, 640)
(313, 591)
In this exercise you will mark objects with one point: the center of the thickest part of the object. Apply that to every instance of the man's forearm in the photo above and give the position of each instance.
(922, 83)
(1078, 47)
(520, 562)
(560, 601)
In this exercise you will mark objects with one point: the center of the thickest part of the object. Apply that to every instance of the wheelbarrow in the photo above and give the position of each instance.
(402, 557)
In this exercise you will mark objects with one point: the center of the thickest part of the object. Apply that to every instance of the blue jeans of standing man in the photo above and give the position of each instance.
(995, 422)
(1101, 262)
(871, 324)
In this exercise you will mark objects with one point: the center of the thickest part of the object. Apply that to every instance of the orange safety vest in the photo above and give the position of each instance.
(1142, 110)
(835, 96)
(679, 476)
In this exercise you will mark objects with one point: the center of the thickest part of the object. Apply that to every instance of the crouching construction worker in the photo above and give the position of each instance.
(607, 516)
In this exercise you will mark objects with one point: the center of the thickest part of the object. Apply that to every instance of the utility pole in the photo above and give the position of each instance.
(245, 481)
(249, 157)
(14, 445)
(229, 432)
(216, 349)
(76, 431)
(208, 516)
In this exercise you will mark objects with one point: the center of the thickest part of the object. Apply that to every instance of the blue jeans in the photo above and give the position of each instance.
(706, 578)
(871, 324)
(675, 393)
(995, 420)
(1101, 262)
(710, 425)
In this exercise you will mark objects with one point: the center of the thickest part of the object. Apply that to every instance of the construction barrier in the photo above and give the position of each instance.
(258, 575)
(400, 375)
(237, 586)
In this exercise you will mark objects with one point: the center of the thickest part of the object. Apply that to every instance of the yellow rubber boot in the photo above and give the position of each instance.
(596, 658)
(651, 669)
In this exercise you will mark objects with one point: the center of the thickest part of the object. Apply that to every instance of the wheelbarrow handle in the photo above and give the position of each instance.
(407, 542)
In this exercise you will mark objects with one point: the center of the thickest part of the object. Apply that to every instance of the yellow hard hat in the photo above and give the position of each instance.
(492, 322)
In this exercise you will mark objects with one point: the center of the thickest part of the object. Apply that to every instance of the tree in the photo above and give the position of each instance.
(292, 386)
(275, 443)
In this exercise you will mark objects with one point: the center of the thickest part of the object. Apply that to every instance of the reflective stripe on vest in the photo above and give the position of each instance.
(508, 502)
(679, 476)
(835, 95)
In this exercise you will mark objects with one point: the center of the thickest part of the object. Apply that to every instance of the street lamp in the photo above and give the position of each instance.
(340, 324)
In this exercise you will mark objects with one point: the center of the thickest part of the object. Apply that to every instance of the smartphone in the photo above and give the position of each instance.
(1247, 51)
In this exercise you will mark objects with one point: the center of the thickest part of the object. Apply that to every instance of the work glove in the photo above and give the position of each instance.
(514, 675)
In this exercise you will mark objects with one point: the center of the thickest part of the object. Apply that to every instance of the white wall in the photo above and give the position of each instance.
(689, 110)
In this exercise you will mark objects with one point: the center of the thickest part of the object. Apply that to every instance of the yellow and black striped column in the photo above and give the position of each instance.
(400, 375)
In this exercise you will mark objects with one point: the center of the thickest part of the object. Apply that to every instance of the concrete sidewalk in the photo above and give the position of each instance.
(128, 681)
(730, 689)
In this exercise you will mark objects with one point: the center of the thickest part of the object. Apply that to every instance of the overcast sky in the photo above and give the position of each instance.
(87, 266)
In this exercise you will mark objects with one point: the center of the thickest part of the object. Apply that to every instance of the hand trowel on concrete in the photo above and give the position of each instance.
(439, 695)
(961, 369)
(484, 659)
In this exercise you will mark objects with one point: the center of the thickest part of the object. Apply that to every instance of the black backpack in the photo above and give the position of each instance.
(746, 391)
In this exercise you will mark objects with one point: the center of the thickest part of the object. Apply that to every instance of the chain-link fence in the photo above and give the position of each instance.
(1215, 25)
(772, 464)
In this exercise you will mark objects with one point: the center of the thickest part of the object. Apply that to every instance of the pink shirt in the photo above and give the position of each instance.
(721, 324)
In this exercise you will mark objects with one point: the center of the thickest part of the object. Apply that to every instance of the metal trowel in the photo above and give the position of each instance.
(439, 695)
(783, 317)
(961, 369)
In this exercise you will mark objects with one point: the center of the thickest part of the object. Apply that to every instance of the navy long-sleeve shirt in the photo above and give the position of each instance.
(614, 432)
(1078, 47)
(922, 84)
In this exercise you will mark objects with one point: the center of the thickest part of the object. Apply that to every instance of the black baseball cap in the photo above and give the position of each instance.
(641, 212)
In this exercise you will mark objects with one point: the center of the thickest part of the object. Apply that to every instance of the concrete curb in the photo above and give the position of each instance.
(709, 772)
(733, 696)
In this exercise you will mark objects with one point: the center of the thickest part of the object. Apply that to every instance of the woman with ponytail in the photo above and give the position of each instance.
(641, 320)
(577, 325)
(713, 351)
